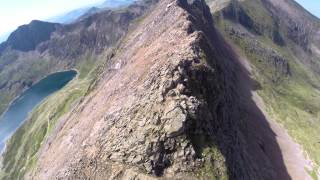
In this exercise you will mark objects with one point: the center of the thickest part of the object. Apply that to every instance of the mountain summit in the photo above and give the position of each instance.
(27, 37)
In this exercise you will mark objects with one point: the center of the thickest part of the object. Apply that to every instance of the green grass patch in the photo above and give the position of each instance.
(214, 166)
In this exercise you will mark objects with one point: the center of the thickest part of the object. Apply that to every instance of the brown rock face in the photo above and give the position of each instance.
(172, 90)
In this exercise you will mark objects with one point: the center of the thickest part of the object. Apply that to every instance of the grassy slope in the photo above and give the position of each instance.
(215, 165)
(22, 148)
(292, 100)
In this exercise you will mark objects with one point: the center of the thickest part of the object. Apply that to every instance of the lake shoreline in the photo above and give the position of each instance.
(26, 112)
(37, 81)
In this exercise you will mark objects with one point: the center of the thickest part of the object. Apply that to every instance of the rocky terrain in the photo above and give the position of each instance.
(175, 89)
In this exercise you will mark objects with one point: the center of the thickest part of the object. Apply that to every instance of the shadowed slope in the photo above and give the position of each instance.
(280, 41)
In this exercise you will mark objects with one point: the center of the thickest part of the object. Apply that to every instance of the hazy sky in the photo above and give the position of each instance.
(17, 12)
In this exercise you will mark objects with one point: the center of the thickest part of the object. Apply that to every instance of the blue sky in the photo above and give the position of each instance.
(17, 12)
(312, 6)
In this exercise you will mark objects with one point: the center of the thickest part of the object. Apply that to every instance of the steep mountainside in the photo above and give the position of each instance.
(81, 46)
(165, 102)
(27, 37)
(55, 47)
(281, 41)
(175, 89)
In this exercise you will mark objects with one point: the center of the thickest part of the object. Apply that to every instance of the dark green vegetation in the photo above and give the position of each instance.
(285, 61)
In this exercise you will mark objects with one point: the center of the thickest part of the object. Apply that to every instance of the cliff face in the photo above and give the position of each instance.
(173, 101)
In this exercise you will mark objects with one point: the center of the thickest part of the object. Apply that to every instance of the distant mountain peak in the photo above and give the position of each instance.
(27, 37)
(116, 3)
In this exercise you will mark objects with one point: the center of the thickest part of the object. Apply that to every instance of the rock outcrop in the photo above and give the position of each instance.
(170, 93)
(169, 104)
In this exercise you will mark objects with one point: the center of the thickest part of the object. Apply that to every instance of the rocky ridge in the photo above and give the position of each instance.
(175, 95)
(167, 104)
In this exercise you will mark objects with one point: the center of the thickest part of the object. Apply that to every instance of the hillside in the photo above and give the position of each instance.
(27, 37)
(66, 49)
(170, 89)
(280, 40)
(61, 47)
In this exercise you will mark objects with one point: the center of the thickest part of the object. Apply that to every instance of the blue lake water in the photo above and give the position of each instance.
(19, 110)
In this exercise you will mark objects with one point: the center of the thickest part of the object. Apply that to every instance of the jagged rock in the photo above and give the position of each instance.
(188, 88)
(169, 101)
